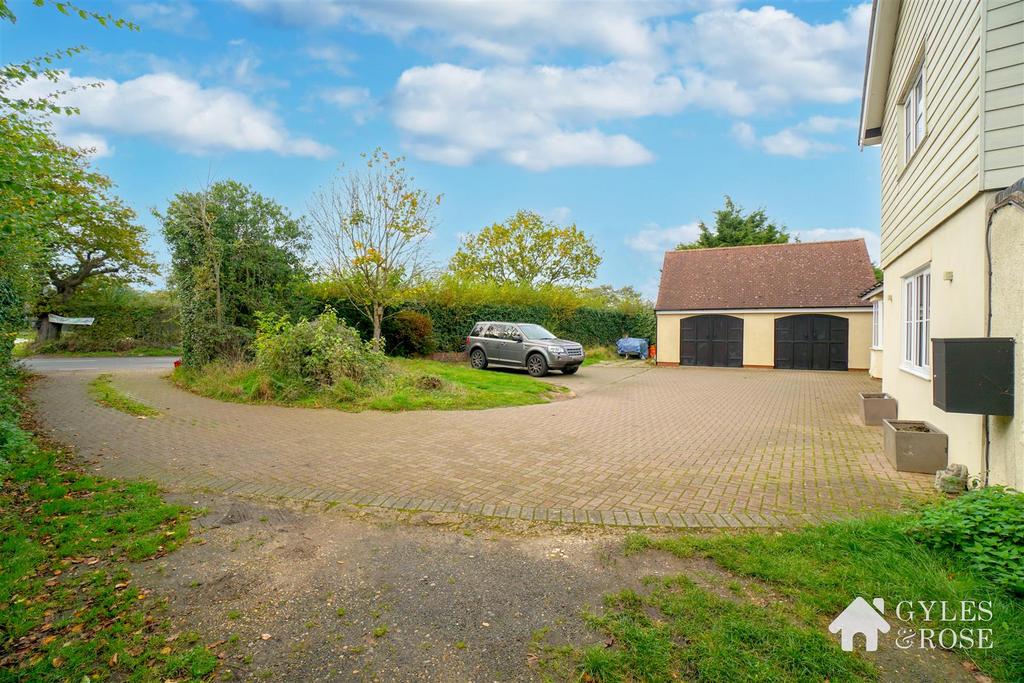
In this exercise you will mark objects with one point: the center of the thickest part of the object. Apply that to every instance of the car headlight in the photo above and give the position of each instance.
(557, 349)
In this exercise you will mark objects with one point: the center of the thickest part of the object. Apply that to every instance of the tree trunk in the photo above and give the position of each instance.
(378, 317)
(47, 331)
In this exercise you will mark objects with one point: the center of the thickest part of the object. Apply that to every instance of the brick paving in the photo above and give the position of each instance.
(694, 447)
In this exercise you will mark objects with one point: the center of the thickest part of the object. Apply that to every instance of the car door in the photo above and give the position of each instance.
(516, 347)
(496, 343)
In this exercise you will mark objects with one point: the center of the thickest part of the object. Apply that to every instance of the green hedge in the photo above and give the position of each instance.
(125, 319)
(454, 321)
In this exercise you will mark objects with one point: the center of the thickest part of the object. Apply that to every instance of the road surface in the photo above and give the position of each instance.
(47, 365)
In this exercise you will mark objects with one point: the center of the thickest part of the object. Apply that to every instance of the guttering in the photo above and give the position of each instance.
(795, 309)
(877, 65)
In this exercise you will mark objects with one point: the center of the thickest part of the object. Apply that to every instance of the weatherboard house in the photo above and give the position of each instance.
(860, 617)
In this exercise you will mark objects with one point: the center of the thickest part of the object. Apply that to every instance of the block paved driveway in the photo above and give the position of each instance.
(694, 447)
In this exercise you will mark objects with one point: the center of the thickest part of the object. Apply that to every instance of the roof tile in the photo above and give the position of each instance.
(795, 275)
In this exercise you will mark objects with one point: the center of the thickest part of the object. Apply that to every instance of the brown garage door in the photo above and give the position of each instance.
(714, 340)
(812, 342)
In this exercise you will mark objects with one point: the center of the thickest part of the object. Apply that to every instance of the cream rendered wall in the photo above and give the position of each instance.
(759, 337)
(1006, 461)
(943, 173)
(957, 310)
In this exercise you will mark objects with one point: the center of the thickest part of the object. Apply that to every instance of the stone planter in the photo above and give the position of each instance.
(915, 446)
(877, 407)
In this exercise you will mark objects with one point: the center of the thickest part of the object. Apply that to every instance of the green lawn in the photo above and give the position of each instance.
(413, 385)
(69, 610)
(104, 393)
(769, 623)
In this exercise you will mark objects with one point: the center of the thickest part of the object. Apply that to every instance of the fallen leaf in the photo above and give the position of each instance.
(166, 650)
(265, 636)
(57, 662)
(113, 660)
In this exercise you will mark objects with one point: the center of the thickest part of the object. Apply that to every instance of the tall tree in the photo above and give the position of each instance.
(733, 228)
(234, 253)
(370, 225)
(525, 249)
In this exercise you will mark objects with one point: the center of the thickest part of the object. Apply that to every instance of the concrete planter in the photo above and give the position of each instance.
(877, 407)
(915, 446)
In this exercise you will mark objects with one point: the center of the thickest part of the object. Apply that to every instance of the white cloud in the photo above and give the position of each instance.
(177, 111)
(744, 60)
(801, 140)
(537, 118)
(655, 240)
(181, 18)
(347, 97)
(744, 133)
(822, 234)
(96, 145)
(331, 57)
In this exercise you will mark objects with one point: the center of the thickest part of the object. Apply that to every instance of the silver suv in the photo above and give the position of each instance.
(522, 345)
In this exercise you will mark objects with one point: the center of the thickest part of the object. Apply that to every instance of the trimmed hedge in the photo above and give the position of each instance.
(452, 322)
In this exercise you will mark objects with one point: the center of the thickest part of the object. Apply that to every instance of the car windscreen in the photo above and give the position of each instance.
(531, 331)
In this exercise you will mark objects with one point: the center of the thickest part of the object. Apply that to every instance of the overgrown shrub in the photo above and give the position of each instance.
(985, 528)
(324, 351)
(409, 333)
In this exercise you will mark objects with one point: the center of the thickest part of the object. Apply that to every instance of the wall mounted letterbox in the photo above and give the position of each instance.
(973, 375)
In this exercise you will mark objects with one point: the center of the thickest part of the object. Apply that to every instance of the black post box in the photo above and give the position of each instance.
(973, 375)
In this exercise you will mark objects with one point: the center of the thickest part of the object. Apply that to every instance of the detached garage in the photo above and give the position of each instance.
(789, 306)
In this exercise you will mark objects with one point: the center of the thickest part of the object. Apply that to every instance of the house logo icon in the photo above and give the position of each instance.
(861, 617)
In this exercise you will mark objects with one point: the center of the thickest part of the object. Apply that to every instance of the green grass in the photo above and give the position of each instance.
(413, 385)
(69, 609)
(597, 354)
(679, 629)
(105, 393)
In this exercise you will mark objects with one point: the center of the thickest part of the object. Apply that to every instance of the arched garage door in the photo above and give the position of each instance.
(714, 340)
(812, 342)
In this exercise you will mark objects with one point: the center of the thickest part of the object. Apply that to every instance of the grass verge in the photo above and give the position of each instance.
(105, 393)
(412, 385)
(770, 624)
(68, 608)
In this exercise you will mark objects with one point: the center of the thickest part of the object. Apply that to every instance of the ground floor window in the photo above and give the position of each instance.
(876, 324)
(917, 321)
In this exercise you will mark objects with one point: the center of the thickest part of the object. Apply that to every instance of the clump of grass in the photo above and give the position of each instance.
(818, 570)
(411, 384)
(69, 609)
(105, 393)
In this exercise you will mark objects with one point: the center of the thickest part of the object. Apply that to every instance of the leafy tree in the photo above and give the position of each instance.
(234, 253)
(36, 176)
(370, 228)
(733, 228)
(626, 299)
(526, 249)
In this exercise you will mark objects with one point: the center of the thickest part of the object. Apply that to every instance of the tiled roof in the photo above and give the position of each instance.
(796, 275)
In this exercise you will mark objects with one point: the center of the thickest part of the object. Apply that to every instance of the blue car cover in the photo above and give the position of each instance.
(631, 346)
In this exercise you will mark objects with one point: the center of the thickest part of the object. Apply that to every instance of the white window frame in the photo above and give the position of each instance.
(913, 115)
(877, 324)
(916, 323)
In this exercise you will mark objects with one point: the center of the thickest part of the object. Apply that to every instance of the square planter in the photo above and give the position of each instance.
(877, 407)
(915, 446)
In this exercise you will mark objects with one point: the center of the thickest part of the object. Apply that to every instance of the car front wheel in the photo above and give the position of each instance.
(477, 359)
(570, 371)
(536, 365)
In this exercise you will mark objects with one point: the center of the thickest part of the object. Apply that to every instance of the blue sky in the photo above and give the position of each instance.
(631, 119)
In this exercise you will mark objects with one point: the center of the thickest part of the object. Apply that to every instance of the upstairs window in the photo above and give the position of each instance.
(913, 116)
(917, 295)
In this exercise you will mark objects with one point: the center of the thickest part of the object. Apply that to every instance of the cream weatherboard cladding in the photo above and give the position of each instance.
(1003, 151)
(943, 172)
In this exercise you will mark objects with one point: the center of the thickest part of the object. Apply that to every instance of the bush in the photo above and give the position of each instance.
(410, 333)
(985, 528)
(325, 351)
